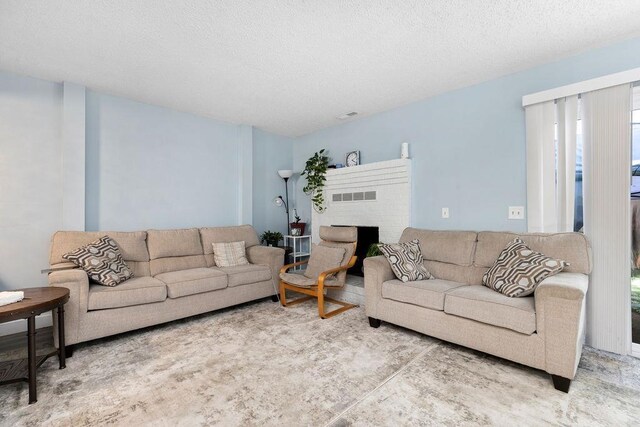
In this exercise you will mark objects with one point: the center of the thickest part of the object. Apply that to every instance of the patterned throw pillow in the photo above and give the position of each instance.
(229, 254)
(102, 261)
(518, 270)
(406, 261)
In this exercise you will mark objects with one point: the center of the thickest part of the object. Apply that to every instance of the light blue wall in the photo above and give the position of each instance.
(270, 154)
(468, 145)
(148, 166)
(151, 167)
(30, 177)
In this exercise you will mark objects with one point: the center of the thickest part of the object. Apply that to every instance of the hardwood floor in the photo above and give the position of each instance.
(15, 346)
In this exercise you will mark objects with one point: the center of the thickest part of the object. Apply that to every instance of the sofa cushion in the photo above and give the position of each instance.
(424, 293)
(453, 247)
(174, 243)
(245, 274)
(102, 261)
(487, 306)
(406, 260)
(193, 281)
(571, 247)
(236, 233)
(132, 244)
(518, 270)
(210, 235)
(229, 254)
(176, 263)
(135, 291)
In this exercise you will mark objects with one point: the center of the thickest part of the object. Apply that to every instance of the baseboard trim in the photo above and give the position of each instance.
(20, 325)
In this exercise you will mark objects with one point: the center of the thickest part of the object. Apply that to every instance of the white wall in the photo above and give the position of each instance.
(30, 177)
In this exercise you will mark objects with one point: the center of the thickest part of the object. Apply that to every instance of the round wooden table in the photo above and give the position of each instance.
(36, 301)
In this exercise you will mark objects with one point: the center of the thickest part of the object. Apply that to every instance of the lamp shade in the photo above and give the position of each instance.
(285, 173)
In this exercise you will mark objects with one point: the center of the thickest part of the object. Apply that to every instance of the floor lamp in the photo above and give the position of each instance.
(285, 174)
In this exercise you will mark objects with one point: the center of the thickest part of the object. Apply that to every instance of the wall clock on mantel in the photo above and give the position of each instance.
(353, 158)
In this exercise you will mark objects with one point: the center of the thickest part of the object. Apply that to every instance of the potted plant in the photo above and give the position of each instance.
(373, 250)
(297, 225)
(315, 170)
(271, 238)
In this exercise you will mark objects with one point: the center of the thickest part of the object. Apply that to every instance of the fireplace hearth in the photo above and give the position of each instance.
(367, 235)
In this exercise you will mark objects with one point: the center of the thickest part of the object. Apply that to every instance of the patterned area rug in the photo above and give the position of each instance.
(259, 364)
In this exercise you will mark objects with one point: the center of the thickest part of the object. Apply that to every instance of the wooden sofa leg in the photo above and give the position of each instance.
(374, 323)
(561, 383)
(274, 298)
(68, 350)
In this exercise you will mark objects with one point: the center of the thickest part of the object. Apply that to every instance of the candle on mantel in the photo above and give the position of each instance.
(404, 151)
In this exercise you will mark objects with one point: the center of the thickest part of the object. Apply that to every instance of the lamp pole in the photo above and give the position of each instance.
(286, 174)
(286, 205)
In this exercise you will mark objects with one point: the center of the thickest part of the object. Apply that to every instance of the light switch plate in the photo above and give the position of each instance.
(516, 212)
(445, 212)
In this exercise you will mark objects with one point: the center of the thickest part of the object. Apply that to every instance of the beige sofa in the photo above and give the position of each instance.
(544, 331)
(175, 276)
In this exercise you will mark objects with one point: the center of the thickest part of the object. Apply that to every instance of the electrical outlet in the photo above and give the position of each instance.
(516, 212)
(445, 212)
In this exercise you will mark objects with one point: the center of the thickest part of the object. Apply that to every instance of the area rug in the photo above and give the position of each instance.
(260, 364)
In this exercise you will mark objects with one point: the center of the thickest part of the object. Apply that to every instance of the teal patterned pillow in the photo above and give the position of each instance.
(406, 261)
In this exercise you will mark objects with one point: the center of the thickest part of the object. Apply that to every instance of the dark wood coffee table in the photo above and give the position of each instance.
(36, 301)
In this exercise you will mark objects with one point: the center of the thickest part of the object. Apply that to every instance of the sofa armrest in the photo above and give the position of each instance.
(269, 256)
(78, 284)
(560, 320)
(376, 271)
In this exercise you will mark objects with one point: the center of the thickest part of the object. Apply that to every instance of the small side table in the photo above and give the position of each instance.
(36, 301)
(301, 248)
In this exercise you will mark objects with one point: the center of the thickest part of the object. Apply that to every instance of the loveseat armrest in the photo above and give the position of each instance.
(376, 271)
(560, 321)
(269, 256)
(77, 282)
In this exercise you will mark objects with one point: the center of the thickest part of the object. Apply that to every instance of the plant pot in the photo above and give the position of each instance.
(300, 226)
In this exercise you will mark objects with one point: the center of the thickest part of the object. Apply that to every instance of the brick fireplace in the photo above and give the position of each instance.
(371, 195)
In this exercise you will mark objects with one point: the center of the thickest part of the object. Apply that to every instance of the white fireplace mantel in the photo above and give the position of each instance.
(374, 194)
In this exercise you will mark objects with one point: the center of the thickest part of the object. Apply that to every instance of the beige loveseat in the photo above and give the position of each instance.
(544, 331)
(175, 276)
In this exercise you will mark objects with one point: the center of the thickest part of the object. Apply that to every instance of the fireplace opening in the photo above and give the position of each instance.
(366, 237)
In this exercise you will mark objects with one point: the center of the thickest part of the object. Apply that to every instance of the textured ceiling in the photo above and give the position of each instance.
(291, 67)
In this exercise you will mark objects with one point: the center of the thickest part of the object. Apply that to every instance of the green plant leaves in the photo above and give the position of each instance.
(315, 170)
(271, 237)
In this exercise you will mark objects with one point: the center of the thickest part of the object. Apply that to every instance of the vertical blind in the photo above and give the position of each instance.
(551, 130)
(607, 220)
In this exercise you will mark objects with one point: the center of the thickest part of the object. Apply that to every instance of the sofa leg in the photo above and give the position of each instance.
(68, 350)
(274, 298)
(374, 323)
(561, 383)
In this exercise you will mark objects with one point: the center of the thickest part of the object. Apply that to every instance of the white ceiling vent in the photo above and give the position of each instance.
(348, 115)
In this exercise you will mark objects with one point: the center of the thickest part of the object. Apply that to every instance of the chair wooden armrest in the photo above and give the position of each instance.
(324, 274)
(295, 264)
